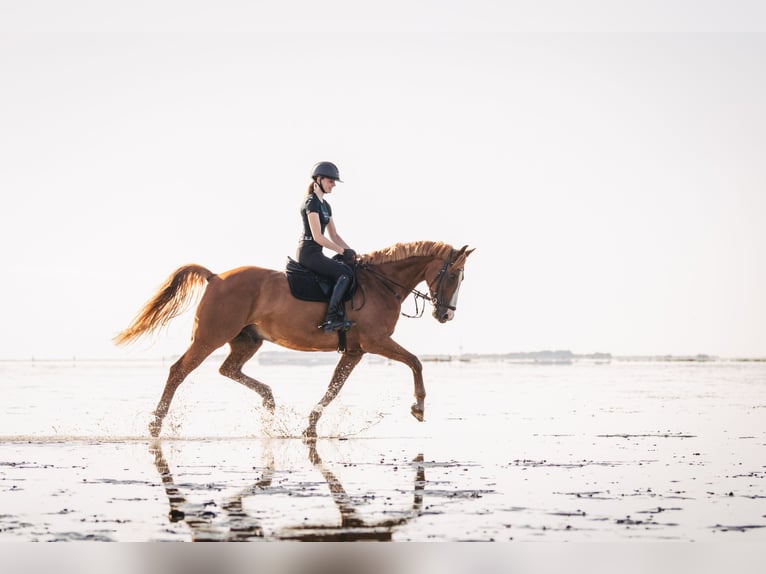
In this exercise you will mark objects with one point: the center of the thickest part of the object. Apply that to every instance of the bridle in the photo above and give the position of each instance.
(436, 301)
(433, 298)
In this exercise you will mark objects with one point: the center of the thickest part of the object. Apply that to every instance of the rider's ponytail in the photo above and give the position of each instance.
(310, 190)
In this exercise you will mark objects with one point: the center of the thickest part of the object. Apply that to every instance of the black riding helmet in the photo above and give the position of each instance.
(326, 169)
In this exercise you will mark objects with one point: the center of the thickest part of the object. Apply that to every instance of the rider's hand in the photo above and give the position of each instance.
(349, 256)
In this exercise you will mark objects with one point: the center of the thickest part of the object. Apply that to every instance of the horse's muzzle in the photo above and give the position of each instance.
(444, 315)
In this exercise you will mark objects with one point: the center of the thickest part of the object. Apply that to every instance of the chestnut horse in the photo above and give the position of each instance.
(249, 305)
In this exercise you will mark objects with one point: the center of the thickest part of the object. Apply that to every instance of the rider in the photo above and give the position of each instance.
(317, 217)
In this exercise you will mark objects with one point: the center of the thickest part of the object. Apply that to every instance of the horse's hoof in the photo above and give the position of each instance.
(270, 405)
(417, 412)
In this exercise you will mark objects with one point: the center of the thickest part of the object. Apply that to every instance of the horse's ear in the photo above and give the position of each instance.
(462, 253)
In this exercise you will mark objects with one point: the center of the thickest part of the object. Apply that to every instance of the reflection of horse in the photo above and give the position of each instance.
(199, 517)
(352, 527)
(249, 305)
(241, 526)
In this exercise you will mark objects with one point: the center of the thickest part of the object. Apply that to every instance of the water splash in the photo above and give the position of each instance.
(340, 422)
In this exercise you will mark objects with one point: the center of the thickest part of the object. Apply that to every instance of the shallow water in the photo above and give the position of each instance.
(580, 452)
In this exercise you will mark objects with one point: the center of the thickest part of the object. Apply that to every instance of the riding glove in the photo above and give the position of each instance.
(349, 256)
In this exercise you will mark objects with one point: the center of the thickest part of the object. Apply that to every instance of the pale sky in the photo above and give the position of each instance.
(607, 160)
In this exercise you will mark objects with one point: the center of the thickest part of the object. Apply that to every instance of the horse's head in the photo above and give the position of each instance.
(444, 284)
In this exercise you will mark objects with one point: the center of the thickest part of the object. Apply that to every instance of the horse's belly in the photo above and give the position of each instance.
(300, 334)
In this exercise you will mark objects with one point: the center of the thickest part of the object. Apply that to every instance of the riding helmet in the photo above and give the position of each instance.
(326, 169)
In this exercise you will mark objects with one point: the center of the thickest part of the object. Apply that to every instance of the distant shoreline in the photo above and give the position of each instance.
(560, 357)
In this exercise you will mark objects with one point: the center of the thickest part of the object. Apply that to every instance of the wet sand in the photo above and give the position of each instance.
(285, 489)
(548, 462)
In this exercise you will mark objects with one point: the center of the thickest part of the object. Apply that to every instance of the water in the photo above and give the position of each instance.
(509, 451)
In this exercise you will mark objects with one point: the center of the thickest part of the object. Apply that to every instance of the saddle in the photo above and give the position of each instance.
(309, 286)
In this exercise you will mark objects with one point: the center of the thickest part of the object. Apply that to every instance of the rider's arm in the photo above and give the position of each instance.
(332, 231)
(316, 233)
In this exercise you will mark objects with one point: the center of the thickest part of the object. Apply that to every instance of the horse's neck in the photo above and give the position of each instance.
(407, 272)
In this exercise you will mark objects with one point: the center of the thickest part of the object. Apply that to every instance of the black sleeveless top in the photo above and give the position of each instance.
(313, 205)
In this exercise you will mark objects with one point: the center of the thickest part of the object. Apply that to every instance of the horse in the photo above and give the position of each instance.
(249, 305)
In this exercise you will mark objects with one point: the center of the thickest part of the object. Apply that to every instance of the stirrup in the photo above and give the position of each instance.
(330, 325)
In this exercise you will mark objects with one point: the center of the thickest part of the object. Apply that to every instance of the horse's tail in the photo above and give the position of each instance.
(171, 300)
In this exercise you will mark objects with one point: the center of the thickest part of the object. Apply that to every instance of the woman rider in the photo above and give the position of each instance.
(317, 217)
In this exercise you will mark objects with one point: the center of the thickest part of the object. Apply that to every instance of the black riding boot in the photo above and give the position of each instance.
(336, 316)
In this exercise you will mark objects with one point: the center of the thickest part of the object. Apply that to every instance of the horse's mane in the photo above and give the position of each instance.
(404, 250)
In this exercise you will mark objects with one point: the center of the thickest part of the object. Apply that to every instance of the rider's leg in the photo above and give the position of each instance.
(336, 317)
(311, 257)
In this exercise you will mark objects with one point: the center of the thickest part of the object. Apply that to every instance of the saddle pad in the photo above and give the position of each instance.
(309, 286)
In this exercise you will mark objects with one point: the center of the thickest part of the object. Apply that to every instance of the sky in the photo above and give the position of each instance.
(605, 159)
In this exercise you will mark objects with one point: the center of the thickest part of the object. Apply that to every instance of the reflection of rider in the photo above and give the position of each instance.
(316, 214)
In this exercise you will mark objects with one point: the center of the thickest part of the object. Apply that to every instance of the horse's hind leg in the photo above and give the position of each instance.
(189, 361)
(347, 362)
(243, 347)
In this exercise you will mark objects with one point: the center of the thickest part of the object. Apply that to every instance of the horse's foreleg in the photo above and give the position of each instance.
(347, 362)
(189, 361)
(392, 350)
(243, 347)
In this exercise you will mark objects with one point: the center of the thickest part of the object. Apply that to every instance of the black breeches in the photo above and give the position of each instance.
(311, 257)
